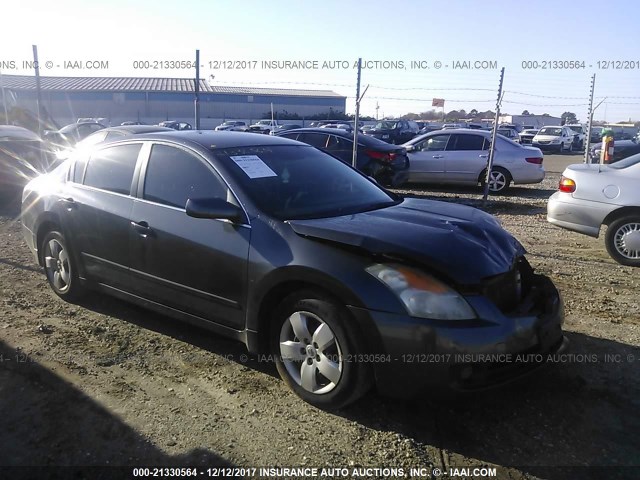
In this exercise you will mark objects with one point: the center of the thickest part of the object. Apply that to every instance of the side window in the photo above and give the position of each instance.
(112, 168)
(292, 136)
(315, 139)
(465, 142)
(78, 168)
(339, 143)
(174, 175)
(437, 143)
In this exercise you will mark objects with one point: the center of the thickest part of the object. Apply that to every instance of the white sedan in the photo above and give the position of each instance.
(460, 157)
(592, 195)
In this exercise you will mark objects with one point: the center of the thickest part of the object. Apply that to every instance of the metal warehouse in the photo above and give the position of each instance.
(151, 100)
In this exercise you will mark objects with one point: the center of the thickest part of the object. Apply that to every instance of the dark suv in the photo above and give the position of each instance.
(394, 131)
(388, 164)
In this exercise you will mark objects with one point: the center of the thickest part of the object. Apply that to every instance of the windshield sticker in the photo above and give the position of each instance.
(253, 166)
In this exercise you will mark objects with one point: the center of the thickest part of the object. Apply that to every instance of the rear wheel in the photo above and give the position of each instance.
(623, 240)
(316, 349)
(499, 180)
(60, 267)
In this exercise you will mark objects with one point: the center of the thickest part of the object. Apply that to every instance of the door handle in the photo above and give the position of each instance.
(142, 228)
(437, 156)
(483, 156)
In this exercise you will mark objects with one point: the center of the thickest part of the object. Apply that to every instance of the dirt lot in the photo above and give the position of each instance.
(106, 383)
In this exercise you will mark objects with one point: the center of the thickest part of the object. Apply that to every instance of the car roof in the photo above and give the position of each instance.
(366, 140)
(12, 132)
(218, 139)
(136, 129)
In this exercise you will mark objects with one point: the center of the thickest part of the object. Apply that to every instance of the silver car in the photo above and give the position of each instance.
(590, 196)
(459, 156)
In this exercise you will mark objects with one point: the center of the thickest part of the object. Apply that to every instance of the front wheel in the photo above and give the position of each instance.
(316, 349)
(623, 240)
(59, 267)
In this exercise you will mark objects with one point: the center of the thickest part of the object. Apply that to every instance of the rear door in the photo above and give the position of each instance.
(195, 265)
(97, 206)
(467, 155)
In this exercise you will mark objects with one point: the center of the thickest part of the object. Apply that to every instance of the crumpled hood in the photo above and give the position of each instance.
(461, 242)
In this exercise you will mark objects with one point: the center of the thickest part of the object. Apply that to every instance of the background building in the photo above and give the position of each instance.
(535, 121)
(152, 100)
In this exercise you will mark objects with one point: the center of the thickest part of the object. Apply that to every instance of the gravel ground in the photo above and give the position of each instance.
(107, 383)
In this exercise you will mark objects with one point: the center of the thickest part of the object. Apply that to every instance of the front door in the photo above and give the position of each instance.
(198, 266)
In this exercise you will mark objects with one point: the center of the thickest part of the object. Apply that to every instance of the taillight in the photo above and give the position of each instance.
(536, 160)
(382, 156)
(567, 185)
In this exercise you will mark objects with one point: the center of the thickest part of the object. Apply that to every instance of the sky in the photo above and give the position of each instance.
(413, 51)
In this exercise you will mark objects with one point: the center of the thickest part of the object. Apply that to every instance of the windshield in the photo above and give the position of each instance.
(264, 122)
(297, 182)
(576, 128)
(530, 132)
(556, 132)
(627, 162)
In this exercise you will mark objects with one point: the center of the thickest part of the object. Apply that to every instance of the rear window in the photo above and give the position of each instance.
(112, 168)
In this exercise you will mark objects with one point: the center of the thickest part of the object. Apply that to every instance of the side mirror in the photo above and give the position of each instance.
(213, 208)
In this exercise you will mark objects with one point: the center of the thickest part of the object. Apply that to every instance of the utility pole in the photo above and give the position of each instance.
(38, 90)
(377, 108)
(589, 119)
(197, 90)
(354, 160)
(4, 101)
(494, 132)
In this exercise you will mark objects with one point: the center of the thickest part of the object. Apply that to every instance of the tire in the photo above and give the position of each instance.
(623, 240)
(499, 181)
(319, 367)
(60, 267)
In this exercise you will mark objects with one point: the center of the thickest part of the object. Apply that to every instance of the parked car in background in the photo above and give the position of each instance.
(596, 135)
(102, 120)
(71, 134)
(130, 122)
(175, 125)
(232, 126)
(580, 139)
(460, 157)
(526, 136)
(23, 156)
(558, 139)
(284, 128)
(300, 257)
(510, 133)
(621, 149)
(387, 164)
(394, 131)
(107, 135)
(263, 126)
(342, 126)
(590, 196)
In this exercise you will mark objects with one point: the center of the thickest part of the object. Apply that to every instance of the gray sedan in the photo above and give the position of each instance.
(590, 196)
(459, 156)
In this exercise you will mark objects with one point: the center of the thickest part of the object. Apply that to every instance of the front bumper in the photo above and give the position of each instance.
(413, 356)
